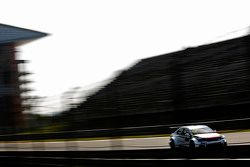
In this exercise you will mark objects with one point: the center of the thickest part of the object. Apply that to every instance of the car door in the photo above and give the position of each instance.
(179, 137)
(186, 137)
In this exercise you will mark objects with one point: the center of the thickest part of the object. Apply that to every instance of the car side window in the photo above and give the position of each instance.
(179, 132)
(185, 132)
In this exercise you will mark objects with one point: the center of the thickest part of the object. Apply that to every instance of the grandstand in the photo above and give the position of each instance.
(11, 102)
(207, 82)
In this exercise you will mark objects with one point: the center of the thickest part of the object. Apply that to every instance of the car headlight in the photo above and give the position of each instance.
(222, 137)
(198, 139)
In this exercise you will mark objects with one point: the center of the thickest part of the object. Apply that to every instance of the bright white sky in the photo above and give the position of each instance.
(91, 39)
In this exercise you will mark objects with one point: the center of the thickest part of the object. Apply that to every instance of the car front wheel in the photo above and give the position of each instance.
(191, 144)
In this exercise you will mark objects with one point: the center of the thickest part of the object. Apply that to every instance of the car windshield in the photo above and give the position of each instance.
(202, 130)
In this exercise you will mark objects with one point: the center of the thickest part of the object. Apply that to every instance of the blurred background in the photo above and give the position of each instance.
(91, 75)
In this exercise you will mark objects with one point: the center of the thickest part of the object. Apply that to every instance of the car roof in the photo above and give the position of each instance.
(194, 126)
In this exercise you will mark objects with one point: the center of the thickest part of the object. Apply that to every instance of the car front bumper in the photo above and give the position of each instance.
(221, 142)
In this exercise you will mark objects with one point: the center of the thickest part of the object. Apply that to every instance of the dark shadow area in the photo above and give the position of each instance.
(132, 157)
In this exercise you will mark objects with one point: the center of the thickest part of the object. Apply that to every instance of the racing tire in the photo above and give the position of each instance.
(224, 145)
(192, 144)
(172, 144)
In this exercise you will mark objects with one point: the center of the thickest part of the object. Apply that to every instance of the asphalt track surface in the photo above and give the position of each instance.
(121, 152)
(240, 138)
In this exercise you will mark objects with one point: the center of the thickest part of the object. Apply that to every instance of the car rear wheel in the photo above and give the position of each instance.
(172, 144)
